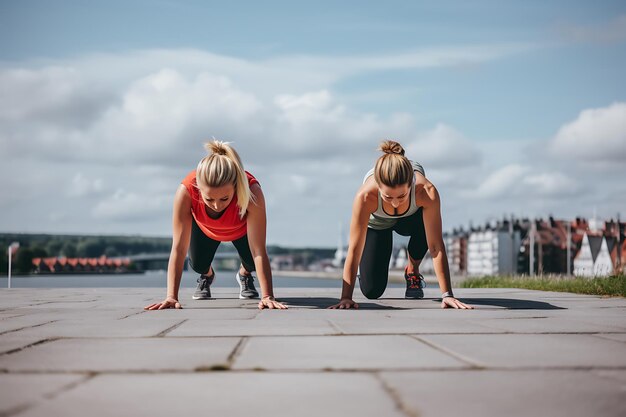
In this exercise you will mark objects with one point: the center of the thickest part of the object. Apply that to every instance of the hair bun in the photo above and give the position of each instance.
(216, 147)
(390, 146)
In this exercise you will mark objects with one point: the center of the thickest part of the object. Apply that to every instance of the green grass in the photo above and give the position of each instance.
(607, 286)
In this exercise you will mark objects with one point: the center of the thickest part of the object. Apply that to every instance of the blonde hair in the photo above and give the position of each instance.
(222, 166)
(393, 168)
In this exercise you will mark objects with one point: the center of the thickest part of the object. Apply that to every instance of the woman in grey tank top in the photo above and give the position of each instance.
(395, 196)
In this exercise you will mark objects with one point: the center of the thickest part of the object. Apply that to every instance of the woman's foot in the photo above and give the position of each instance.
(414, 284)
(246, 285)
(203, 290)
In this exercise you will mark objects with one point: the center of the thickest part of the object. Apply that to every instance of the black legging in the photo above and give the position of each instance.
(202, 250)
(374, 266)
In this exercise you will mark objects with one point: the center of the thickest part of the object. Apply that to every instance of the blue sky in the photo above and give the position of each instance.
(512, 107)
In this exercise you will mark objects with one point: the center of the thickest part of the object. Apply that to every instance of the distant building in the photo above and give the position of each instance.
(597, 256)
(583, 261)
(492, 252)
(456, 249)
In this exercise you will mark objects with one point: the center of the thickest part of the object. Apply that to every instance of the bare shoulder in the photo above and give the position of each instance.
(256, 190)
(426, 193)
(182, 196)
(257, 202)
(367, 196)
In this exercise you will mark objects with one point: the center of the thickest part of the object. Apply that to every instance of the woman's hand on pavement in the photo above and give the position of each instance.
(345, 303)
(451, 302)
(169, 302)
(271, 303)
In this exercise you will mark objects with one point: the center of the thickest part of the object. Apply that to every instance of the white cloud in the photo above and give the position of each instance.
(444, 147)
(139, 129)
(82, 186)
(128, 206)
(597, 135)
(501, 182)
(515, 181)
(551, 184)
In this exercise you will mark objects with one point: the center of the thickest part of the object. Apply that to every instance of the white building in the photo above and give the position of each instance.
(492, 252)
(583, 262)
(594, 257)
(603, 265)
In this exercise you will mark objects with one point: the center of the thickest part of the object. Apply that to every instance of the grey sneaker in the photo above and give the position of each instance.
(203, 291)
(246, 286)
(414, 285)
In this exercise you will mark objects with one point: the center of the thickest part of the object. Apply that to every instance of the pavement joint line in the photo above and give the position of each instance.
(501, 333)
(336, 327)
(449, 352)
(47, 396)
(312, 371)
(16, 410)
(232, 357)
(37, 343)
(169, 329)
(27, 327)
(70, 386)
(12, 317)
(63, 302)
(395, 397)
(133, 314)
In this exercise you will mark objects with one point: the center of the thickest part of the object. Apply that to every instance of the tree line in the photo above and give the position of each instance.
(73, 246)
(77, 246)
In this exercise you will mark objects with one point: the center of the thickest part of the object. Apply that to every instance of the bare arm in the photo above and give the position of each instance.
(361, 210)
(181, 231)
(257, 230)
(436, 246)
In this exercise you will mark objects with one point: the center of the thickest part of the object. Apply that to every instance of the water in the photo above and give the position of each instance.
(156, 279)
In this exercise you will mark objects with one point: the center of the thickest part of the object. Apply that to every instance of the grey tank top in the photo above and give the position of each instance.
(380, 220)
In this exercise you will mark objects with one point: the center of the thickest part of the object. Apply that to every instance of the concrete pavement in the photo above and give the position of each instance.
(77, 352)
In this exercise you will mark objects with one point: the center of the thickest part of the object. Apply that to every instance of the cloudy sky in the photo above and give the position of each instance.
(511, 107)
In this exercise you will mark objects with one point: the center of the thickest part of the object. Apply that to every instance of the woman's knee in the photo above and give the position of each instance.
(200, 267)
(372, 293)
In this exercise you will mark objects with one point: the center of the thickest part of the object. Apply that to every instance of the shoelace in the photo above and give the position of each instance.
(415, 281)
(246, 281)
(203, 281)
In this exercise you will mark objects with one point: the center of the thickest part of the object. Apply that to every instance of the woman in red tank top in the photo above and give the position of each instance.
(219, 202)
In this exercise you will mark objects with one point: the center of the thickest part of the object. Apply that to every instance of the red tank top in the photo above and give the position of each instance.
(229, 226)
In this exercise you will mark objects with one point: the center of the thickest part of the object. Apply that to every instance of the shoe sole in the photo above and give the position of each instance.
(200, 298)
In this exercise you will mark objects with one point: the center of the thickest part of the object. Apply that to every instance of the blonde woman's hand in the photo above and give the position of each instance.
(451, 302)
(169, 302)
(271, 303)
(345, 303)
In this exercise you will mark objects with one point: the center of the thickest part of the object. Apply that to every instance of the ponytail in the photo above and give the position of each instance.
(222, 166)
(393, 168)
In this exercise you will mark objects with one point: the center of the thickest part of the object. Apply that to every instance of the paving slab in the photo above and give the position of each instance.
(396, 325)
(224, 394)
(122, 355)
(235, 327)
(539, 325)
(20, 392)
(102, 328)
(204, 313)
(342, 353)
(511, 394)
(520, 352)
(533, 350)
